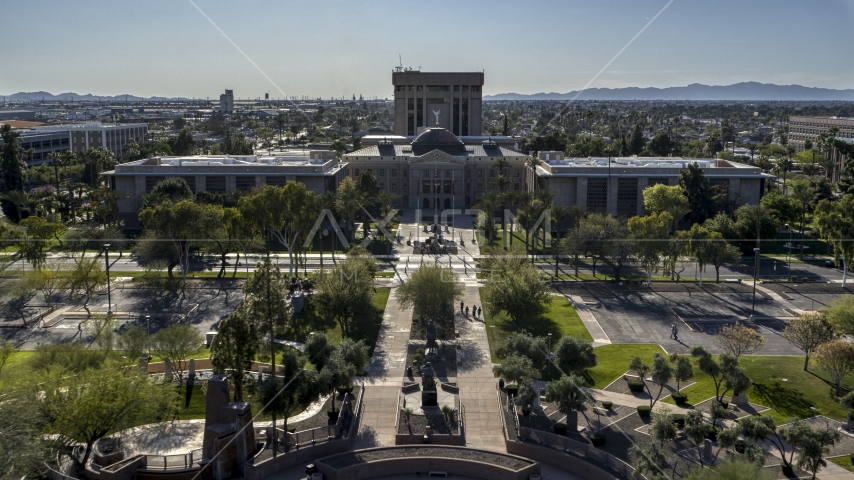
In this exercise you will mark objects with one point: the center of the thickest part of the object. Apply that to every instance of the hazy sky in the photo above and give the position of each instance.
(335, 48)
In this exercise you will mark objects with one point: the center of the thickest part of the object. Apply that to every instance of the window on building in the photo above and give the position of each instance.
(394, 187)
(382, 185)
(479, 172)
(393, 172)
(151, 181)
(245, 182)
(597, 194)
(491, 173)
(479, 187)
(516, 187)
(382, 172)
(277, 181)
(215, 183)
(468, 188)
(627, 196)
(516, 173)
(356, 172)
(475, 88)
(405, 173)
(191, 181)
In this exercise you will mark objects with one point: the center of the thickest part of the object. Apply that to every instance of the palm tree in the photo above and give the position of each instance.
(558, 212)
(577, 212)
(348, 202)
(17, 198)
(488, 202)
(803, 193)
(502, 182)
(500, 164)
(757, 214)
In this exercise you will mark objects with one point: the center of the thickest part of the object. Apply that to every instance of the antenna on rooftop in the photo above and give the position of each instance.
(399, 68)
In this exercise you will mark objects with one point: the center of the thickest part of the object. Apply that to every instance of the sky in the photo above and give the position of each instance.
(341, 48)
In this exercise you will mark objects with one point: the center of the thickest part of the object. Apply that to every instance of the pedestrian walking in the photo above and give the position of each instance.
(479, 311)
(675, 333)
(672, 329)
(467, 312)
(461, 306)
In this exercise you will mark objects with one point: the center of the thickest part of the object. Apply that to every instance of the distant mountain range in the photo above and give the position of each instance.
(39, 96)
(744, 91)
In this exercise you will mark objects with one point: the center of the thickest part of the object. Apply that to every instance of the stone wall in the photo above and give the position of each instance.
(423, 465)
(560, 460)
(435, 439)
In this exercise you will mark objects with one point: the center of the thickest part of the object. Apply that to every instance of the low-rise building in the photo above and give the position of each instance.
(319, 170)
(617, 187)
(42, 144)
(112, 136)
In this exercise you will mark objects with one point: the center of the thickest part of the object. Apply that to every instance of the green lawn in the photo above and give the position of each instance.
(194, 407)
(844, 462)
(803, 394)
(613, 361)
(560, 319)
(366, 329)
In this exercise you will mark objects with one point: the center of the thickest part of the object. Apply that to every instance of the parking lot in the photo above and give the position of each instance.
(637, 314)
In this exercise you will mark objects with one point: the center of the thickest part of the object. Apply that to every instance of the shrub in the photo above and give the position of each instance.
(560, 428)
(607, 405)
(307, 284)
(422, 333)
(679, 397)
(636, 386)
(512, 389)
(724, 403)
(292, 429)
(644, 410)
(679, 420)
(793, 278)
(597, 439)
(417, 357)
(420, 351)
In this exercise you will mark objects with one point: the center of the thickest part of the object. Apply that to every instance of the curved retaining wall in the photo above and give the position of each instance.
(423, 465)
(558, 459)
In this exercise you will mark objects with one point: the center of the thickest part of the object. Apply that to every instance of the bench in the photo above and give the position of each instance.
(437, 473)
(600, 411)
(629, 376)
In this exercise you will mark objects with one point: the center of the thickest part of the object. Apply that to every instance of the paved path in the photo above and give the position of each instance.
(476, 380)
(385, 374)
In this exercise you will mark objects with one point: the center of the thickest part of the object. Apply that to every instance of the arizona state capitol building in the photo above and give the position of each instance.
(437, 157)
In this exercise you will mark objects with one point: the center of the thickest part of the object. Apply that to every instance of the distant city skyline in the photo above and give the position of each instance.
(339, 48)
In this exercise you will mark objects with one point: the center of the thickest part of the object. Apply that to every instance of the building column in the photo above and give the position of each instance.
(612, 196)
(581, 191)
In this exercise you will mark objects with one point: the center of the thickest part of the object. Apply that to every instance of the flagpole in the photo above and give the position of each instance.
(453, 204)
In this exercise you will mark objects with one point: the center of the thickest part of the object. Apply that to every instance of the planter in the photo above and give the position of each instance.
(636, 386)
(597, 439)
(607, 405)
(679, 420)
(559, 428)
(679, 397)
(644, 411)
(500, 383)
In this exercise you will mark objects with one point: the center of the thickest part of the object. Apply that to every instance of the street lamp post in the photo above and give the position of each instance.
(755, 279)
(107, 261)
(148, 329)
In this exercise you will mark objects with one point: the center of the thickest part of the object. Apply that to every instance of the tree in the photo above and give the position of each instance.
(133, 342)
(175, 342)
(13, 169)
(785, 209)
(102, 330)
(181, 224)
(266, 292)
(756, 220)
(703, 200)
(803, 193)
(98, 403)
(738, 340)
(7, 348)
(85, 277)
(48, 281)
(718, 370)
(235, 346)
(608, 240)
(683, 369)
(96, 160)
(487, 203)
(570, 395)
(649, 461)
(637, 143)
(813, 448)
(840, 314)
(836, 357)
(695, 429)
(699, 247)
(807, 332)
(183, 144)
(285, 213)
(348, 201)
(836, 226)
(285, 400)
(661, 144)
(514, 368)
(522, 343)
(173, 189)
(516, 287)
(721, 252)
(663, 427)
(346, 292)
(430, 290)
(661, 373)
(38, 233)
(650, 233)
(22, 427)
(574, 355)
